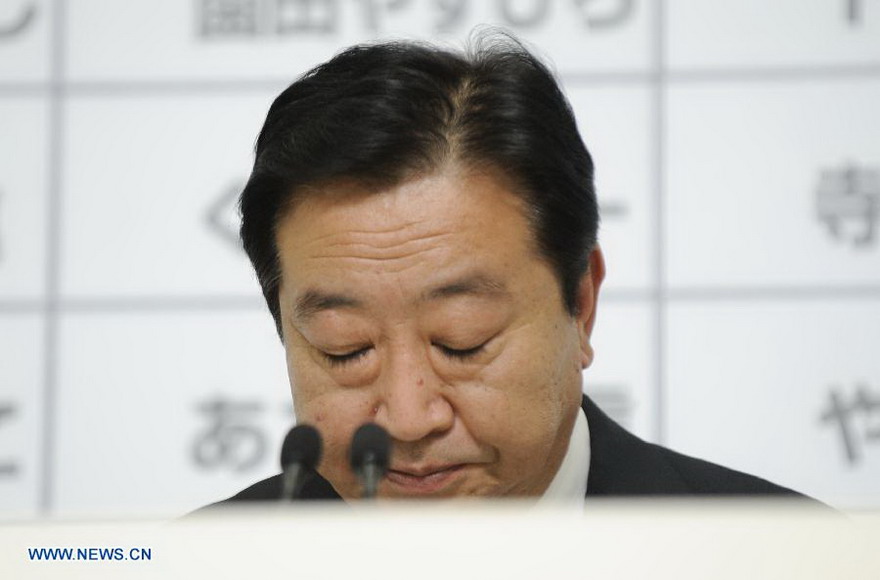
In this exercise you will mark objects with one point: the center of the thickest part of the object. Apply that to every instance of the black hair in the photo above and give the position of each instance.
(383, 113)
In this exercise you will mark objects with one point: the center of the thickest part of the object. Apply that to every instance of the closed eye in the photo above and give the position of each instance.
(460, 354)
(347, 358)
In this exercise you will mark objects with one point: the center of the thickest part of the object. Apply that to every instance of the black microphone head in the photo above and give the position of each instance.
(370, 444)
(302, 445)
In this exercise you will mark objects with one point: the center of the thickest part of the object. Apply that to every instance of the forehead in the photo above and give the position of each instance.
(446, 219)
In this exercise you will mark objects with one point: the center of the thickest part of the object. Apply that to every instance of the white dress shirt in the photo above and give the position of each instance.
(569, 486)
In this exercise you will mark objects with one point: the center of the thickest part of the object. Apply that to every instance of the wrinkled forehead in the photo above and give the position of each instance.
(446, 220)
(349, 199)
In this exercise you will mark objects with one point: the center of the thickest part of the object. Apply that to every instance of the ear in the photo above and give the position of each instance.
(587, 295)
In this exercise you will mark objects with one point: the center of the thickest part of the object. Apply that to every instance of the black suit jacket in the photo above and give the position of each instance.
(621, 464)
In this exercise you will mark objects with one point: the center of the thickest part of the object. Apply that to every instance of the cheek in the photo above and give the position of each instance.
(309, 383)
(520, 401)
(336, 415)
(331, 423)
(537, 369)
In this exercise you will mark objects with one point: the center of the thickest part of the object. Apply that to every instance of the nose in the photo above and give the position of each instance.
(412, 404)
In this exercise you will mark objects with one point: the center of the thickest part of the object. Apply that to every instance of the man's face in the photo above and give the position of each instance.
(427, 309)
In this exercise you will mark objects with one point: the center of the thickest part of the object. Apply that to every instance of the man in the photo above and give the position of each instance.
(423, 225)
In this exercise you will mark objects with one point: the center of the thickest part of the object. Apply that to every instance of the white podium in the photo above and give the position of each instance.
(424, 541)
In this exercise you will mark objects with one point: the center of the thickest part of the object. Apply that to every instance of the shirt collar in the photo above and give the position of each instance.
(570, 483)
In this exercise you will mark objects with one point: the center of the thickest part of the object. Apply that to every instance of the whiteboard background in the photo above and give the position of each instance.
(131, 325)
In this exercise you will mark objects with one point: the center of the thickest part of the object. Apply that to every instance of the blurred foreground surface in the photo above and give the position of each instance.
(694, 539)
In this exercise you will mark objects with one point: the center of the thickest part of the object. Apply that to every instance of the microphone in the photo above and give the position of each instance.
(300, 454)
(370, 449)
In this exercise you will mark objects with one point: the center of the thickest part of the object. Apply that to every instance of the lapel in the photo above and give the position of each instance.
(621, 464)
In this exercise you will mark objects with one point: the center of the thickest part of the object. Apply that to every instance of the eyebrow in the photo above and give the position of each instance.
(314, 301)
(479, 285)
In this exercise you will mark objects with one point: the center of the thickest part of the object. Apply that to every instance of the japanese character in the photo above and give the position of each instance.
(372, 9)
(230, 18)
(613, 209)
(7, 467)
(452, 14)
(306, 16)
(232, 439)
(223, 217)
(522, 18)
(845, 414)
(18, 25)
(849, 195)
(854, 11)
(618, 13)
(614, 400)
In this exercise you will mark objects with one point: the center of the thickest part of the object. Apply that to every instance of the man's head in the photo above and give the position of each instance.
(423, 225)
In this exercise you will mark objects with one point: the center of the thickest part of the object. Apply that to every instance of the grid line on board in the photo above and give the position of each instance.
(53, 246)
(145, 88)
(219, 303)
(658, 170)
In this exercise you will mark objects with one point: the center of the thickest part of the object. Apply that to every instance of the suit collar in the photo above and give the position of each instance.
(623, 464)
